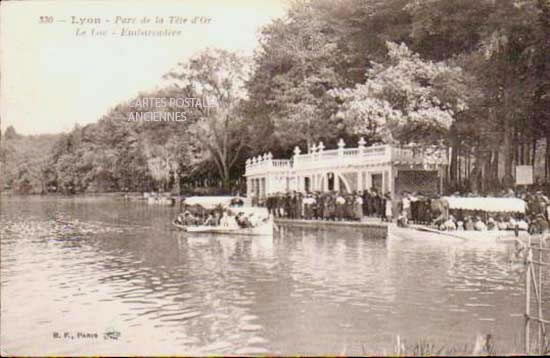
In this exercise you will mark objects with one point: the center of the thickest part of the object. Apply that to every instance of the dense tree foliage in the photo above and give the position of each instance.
(405, 99)
(219, 77)
(472, 75)
(25, 161)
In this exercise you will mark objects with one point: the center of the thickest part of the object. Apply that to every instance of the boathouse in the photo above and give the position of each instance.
(387, 168)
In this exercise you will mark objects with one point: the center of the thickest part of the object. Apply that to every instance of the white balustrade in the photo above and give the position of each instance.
(318, 157)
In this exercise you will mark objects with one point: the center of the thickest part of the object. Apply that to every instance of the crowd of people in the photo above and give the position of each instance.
(333, 205)
(409, 208)
(535, 219)
(218, 217)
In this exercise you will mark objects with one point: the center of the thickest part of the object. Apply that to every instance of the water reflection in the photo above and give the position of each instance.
(90, 265)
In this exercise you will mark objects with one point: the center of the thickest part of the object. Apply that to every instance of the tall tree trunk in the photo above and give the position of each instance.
(225, 177)
(507, 180)
(459, 164)
(469, 164)
(496, 159)
(453, 170)
(534, 153)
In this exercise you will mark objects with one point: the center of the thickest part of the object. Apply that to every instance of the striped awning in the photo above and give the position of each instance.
(209, 202)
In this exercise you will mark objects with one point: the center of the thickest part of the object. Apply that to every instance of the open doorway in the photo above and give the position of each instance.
(307, 184)
(377, 182)
(330, 181)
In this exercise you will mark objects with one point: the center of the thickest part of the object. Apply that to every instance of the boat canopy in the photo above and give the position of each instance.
(257, 211)
(487, 204)
(210, 202)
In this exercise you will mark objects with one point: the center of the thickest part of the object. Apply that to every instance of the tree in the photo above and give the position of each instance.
(25, 162)
(511, 69)
(218, 76)
(501, 44)
(441, 29)
(295, 67)
(11, 134)
(405, 99)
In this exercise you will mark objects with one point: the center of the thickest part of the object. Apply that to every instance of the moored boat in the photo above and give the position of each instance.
(264, 229)
(473, 206)
(217, 215)
(424, 232)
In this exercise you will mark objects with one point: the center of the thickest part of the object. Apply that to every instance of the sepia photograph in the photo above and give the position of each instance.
(274, 178)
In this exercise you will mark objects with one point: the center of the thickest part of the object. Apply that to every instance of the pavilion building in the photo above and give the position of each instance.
(386, 168)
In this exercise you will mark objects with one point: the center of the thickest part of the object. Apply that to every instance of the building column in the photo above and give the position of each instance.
(385, 181)
(359, 180)
(318, 182)
(391, 180)
(336, 181)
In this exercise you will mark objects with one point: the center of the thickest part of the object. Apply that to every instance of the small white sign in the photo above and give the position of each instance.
(524, 174)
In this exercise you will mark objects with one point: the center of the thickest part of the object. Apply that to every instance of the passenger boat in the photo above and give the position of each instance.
(209, 203)
(470, 204)
(415, 232)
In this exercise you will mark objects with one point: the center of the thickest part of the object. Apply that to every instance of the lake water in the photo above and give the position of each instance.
(73, 269)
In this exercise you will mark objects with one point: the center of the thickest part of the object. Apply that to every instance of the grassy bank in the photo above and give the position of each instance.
(483, 346)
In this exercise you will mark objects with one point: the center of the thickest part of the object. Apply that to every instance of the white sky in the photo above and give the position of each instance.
(52, 79)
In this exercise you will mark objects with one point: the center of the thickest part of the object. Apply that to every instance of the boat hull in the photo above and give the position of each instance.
(265, 229)
(422, 233)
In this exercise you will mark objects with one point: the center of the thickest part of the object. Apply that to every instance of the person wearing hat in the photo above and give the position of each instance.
(188, 218)
(388, 206)
(308, 206)
(479, 225)
(512, 223)
(210, 220)
(358, 206)
(299, 206)
(510, 193)
(449, 224)
(540, 225)
(522, 224)
(439, 208)
(491, 224)
(340, 206)
(180, 219)
(320, 206)
(272, 199)
(501, 223)
(366, 202)
(406, 204)
(468, 224)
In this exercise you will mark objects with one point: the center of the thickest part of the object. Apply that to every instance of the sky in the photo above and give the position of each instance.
(52, 78)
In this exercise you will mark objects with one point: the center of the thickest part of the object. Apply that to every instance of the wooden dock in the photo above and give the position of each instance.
(373, 227)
